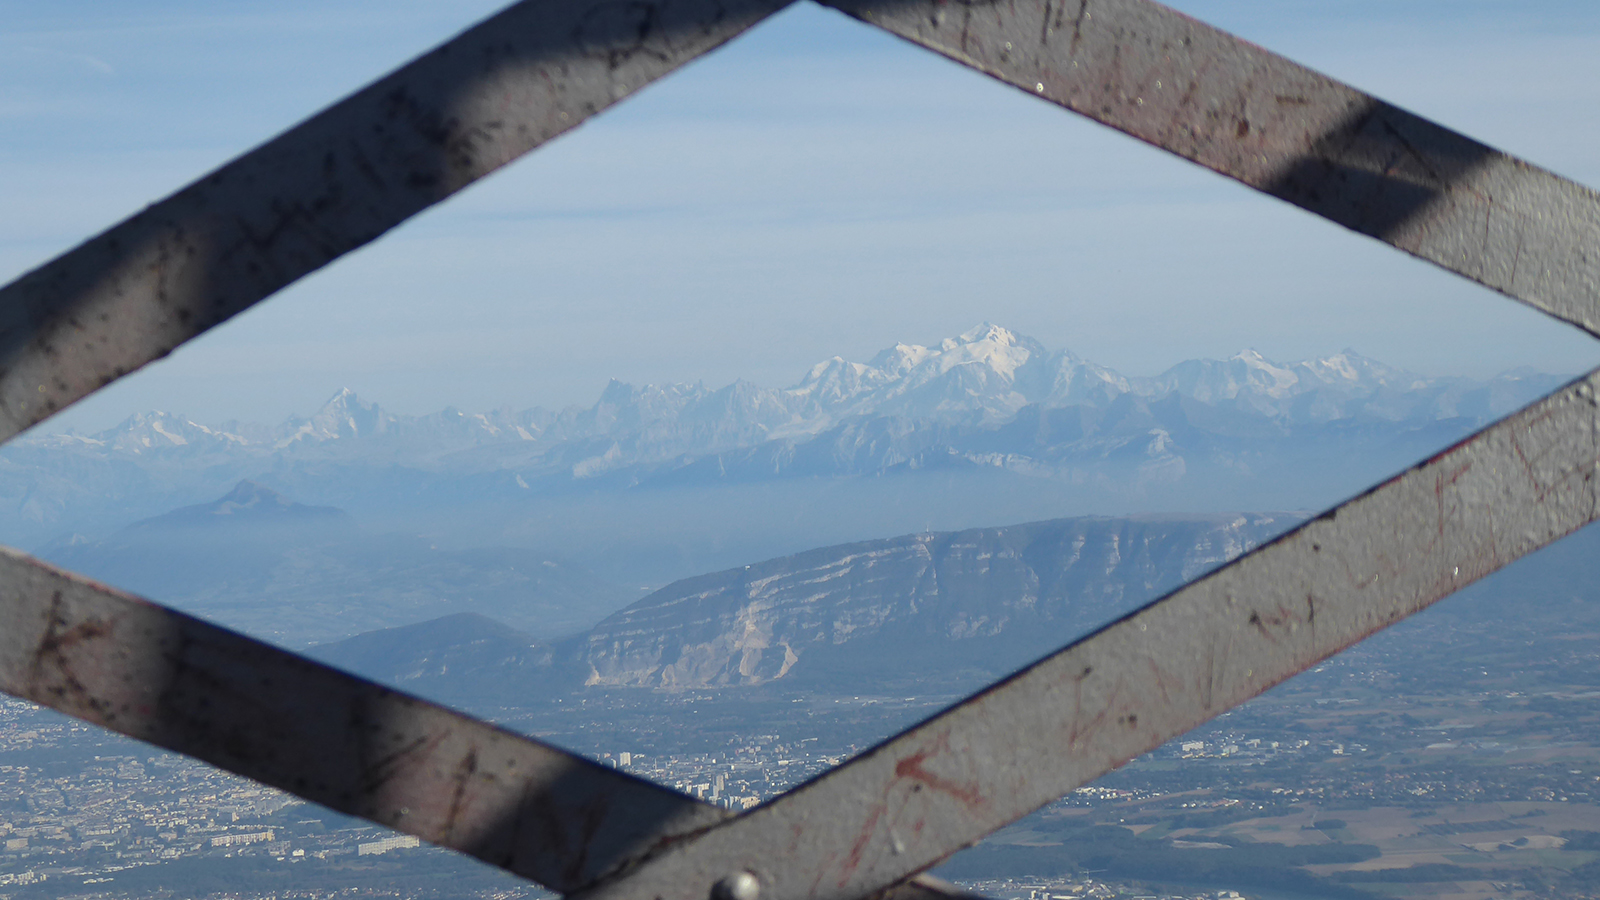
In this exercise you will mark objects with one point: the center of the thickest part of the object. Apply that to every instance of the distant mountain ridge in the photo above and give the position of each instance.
(254, 506)
(983, 377)
(923, 613)
(294, 573)
(979, 596)
(986, 427)
(952, 607)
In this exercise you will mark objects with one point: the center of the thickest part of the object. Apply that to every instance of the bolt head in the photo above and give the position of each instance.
(737, 886)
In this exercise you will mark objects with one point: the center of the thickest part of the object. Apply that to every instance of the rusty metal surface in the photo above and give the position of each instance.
(333, 183)
(174, 681)
(1157, 673)
(1209, 97)
(536, 70)
(163, 677)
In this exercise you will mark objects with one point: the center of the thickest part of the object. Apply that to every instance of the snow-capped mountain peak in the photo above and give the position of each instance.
(1349, 369)
(989, 345)
(988, 331)
(899, 359)
(983, 377)
(972, 375)
(156, 431)
(1264, 375)
(1246, 374)
(345, 415)
(835, 384)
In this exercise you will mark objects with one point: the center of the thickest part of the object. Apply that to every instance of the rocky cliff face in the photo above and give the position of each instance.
(924, 614)
(986, 597)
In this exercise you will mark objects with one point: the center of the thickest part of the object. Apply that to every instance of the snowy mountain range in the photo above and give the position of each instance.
(983, 378)
(984, 428)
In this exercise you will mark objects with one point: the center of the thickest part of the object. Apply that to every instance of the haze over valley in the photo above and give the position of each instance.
(730, 590)
(659, 482)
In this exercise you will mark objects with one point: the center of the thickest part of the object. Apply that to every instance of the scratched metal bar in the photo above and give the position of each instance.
(171, 680)
(1155, 674)
(333, 183)
(163, 677)
(137, 291)
(1276, 126)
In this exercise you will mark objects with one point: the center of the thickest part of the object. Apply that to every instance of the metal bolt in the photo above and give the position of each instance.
(737, 886)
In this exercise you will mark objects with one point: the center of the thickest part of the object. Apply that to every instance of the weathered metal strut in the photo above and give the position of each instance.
(1272, 124)
(133, 293)
(174, 681)
(338, 180)
(167, 678)
(1159, 672)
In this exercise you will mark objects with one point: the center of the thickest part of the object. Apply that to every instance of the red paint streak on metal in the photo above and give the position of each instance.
(51, 651)
(1261, 626)
(859, 848)
(380, 771)
(1542, 490)
(592, 816)
(540, 813)
(1077, 706)
(458, 797)
(82, 632)
(1462, 444)
(1083, 731)
(1443, 481)
(1163, 680)
(911, 767)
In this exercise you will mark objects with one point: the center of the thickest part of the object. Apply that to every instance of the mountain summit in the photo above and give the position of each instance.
(1027, 431)
(249, 505)
(983, 377)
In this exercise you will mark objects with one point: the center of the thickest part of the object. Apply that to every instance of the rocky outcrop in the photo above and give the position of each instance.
(968, 596)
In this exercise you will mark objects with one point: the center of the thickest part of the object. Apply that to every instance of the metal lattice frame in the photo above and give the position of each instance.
(537, 69)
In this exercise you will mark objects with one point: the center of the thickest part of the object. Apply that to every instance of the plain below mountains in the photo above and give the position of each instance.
(950, 610)
(297, 574)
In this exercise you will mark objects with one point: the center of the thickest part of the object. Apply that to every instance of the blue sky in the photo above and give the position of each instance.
(817, 188)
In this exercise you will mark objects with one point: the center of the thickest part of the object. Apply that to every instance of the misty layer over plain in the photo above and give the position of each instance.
(661, 482)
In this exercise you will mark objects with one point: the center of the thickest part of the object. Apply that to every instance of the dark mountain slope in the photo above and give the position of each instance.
(474, 653)
(928, 614)
(945, 611)
(993, 598)
(296, 574)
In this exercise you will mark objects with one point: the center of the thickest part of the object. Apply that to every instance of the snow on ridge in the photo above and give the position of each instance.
(298, 434)
(155, 431)
(900, 358)
(177, 439)
(974, 374)
(989, 345)
(984, 376)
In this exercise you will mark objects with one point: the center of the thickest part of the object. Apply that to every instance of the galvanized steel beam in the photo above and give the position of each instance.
(333, 183)
(1155, 674)
(1276, 126)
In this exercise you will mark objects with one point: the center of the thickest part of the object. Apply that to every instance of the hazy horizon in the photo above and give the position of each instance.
(815, 188)
(87, 424)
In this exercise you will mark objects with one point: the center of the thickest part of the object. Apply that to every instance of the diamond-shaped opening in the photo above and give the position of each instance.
(960, 203)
